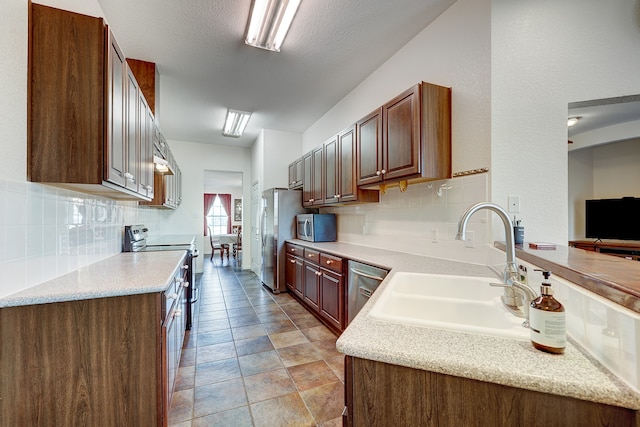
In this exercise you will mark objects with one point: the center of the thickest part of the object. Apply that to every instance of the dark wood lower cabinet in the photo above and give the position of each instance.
(332, 299)
(380, 394)
(294, 275)
(95, 362)
(316, 279)
(312, 285)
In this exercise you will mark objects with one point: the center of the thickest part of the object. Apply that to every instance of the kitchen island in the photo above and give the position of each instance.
(97, 346)
(507, 364)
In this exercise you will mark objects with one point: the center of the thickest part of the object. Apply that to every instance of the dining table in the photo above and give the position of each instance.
(227, 240)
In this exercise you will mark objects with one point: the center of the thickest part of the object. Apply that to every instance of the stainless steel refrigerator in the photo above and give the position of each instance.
(277, 215)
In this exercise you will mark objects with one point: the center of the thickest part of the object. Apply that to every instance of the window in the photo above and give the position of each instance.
(217, 217)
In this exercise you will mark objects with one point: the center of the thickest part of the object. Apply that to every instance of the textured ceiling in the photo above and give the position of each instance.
(205, 67)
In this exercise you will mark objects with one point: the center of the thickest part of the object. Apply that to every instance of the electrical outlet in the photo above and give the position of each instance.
(514, 204)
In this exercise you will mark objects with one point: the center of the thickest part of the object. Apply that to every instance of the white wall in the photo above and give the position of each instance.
(194, 159)
(607, 171)
(616, 169)
(13, 89)
(271, 154)
(236, 193)
(442, 54)
(45, 231)
(452, 51)
(580, 189)
(545, 54)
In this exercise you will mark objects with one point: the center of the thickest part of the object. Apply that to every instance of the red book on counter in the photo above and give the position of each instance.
(542, 245)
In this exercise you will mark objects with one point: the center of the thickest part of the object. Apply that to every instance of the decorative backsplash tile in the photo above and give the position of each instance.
(422, 220)
(46, 231)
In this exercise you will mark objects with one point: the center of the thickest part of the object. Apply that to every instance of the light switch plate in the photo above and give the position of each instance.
(514, 204)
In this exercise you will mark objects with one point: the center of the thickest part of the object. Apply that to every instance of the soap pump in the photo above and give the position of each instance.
(547, 320)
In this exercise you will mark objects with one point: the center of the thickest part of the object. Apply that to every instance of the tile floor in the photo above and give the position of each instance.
(255, 359)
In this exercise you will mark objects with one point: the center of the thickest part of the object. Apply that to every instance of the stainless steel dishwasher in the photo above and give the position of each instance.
(362, 282)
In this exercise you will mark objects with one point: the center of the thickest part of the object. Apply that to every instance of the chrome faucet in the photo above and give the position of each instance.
(517, 295)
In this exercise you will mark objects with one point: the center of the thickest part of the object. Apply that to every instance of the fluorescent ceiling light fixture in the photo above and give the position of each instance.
(235, 123)
(269, 23)
(572, 121)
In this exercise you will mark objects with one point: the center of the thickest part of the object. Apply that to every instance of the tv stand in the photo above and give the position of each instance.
(628, 250)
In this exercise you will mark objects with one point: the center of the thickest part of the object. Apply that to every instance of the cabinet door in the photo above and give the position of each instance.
(294, 275)
(401, 135)
(292, 176)
(307, 181)
(369, 149)
(145, 168)
(312, 285)
(317, 182)
(299, 173)
(346, 161)
(332, 298)
(178, 192)
(116, 164)
(330, 164)
(149, 163)
(132, 134)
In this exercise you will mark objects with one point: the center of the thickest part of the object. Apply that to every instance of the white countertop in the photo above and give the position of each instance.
(171, 240)
(122, 274)
(485, 358)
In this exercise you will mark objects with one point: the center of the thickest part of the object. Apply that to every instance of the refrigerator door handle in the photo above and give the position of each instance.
(263, 226)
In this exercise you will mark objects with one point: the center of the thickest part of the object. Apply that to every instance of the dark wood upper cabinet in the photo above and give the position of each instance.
(148, 78)
(296, 174)
(347, 189)
(116, 109)
(307, 179)
(407, 140)
(82, 125)
(132, 143)
(330, 164)
(401, 135)
(313, 185)
(340, 170)
(369, 148)
(317, 187)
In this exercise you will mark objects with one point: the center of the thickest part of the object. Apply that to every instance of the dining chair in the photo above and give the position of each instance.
(217, 246)
(238, 245)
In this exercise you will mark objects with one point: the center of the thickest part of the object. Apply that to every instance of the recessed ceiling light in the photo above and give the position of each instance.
(269, 23)
(235, 123)
(572, 121)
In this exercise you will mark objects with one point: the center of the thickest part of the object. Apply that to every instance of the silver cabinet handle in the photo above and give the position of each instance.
(369, 276)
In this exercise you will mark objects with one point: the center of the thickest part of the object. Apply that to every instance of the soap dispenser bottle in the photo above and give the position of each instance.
(547, 320)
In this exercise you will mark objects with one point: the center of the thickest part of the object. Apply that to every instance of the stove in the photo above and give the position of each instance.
(136, 239)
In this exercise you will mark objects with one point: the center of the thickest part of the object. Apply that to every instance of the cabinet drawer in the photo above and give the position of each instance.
(294, 250)
(311, 255)
(331, 262)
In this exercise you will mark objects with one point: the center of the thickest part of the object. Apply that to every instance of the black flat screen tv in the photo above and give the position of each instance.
(613, 218)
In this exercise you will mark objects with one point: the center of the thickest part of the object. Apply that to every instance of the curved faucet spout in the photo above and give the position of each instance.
(511, 269)
(508, 229)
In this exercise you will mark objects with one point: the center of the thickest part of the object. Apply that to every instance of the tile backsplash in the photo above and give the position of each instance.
(422, 220)
(46, 231)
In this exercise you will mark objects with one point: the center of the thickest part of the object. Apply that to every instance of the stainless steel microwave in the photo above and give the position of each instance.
(316, 227)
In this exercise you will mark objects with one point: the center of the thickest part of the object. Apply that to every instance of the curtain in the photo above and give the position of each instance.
(225, 200)
(208, 203)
